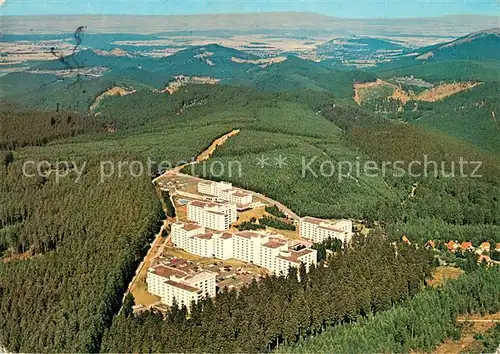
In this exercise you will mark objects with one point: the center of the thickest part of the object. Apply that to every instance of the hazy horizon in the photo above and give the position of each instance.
(260, 13)
(393, 9)
(286, 23)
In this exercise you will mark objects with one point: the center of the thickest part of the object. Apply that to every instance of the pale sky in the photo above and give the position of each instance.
(337, 8)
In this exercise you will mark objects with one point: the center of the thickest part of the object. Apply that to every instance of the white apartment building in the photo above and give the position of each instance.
(170, 283)
(194, 239)
(223, 245)
(215, 216)
(201, 244)
(276, 257)
(248, 246)
(319, 230)
(181, 232)
(269, 252)
(292, 258)
(225, 191)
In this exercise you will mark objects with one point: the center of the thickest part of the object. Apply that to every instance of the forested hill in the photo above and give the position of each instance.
(418, 325)
(208, 60)
(77, 78)
(77, 91)
(483, 45)
(69, 246)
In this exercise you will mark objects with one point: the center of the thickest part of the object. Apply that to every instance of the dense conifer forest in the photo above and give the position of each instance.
(418, 325)
(73, 248)
(70, 245)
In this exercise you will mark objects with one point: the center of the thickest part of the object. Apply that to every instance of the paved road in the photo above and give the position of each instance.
(145, 262)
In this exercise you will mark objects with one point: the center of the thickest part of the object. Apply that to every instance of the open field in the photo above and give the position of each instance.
(292, 235)
(252, 213)
(442, 274)
(476, 324)
(141, 294)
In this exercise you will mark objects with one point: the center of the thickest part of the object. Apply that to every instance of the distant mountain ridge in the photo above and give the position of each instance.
(482, 45)
(211, 60)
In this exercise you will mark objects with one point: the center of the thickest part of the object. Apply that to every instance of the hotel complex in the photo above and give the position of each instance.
(215, 216)
(171, 283)
(194, 239)
(247, 246)
(207, 235)
(225, 191)
(319, 230)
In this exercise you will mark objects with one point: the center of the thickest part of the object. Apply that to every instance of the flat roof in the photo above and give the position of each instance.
(273, 244)
(330, 228)
(191, 226)
(226, 235)
(312, 220)
(330, 224)
(295, 255)
(208, 206)
(240, 194)
(182, 286)
(201, 204)
(205, 236)
(248, 234)
(201, 275)
(301, 253)
(167, 272)
(290, 259)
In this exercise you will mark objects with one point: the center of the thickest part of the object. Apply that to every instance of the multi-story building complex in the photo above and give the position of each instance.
(223, 245)
(215, 216)
(276, 257)
(170, 283)
(269, 251)
(247, 246)
(292, 258)
(213, 188)
(201, 245)
(194, 239)
(319, 230)
(181, 232)
(225, 191)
